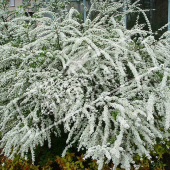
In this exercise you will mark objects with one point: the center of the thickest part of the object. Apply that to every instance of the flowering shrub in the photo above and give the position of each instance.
(106, 85)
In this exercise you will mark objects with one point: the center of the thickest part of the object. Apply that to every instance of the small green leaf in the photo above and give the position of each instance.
(115, 113)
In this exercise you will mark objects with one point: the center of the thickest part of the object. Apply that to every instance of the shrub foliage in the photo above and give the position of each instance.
(106, 85)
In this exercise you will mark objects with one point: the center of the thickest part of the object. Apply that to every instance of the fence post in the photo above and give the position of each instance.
(124, 9)
(168, 14)
(84, 4)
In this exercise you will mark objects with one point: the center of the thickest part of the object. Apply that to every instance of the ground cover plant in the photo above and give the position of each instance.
(107, 86)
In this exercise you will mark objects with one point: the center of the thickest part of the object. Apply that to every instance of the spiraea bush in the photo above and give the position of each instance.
(106, 85)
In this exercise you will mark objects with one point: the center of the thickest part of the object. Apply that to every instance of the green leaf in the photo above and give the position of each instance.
(115, 113)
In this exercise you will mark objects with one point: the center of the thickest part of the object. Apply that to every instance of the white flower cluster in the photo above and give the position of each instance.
(108, 86)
